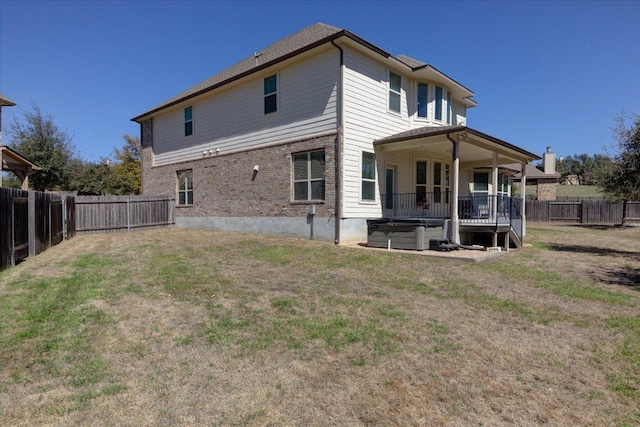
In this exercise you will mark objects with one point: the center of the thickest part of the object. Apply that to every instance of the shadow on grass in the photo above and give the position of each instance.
(595, 250)
(629, 277)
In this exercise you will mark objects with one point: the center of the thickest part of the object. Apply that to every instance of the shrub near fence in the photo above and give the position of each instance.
(104, 214)
(583, 212)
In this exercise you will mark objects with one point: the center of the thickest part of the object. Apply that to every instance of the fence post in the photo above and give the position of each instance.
(128, 214)
(64, 217)
(32, 223)
(49, 227)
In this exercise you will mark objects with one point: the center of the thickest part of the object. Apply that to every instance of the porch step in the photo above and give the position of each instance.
(515, 239)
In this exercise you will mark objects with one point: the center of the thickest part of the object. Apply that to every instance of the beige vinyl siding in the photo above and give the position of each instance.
(233, 119)
(459, 114)
(366, 118)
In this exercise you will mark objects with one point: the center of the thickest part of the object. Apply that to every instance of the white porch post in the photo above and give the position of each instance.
(494, 196)
(454, 232)
(523, 194)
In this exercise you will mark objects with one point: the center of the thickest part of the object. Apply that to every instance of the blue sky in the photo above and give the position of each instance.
(544, 73)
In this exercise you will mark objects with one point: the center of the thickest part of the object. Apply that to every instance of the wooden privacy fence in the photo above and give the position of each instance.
(583, 211)
(31, 222)
(105, 214)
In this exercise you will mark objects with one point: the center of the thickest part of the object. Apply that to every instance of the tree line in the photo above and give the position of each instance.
(36, 137)
(586, 169)
(618, 175)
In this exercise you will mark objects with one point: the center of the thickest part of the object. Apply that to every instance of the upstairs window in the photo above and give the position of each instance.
(395, 85)
(448, 107)
(185, 187)
(423, 100)
(271, 94)
(188, 121)
(368, 176)
(438, 101)
(308, 175)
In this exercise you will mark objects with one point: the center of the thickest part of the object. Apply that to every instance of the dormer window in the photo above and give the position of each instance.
(395, 94)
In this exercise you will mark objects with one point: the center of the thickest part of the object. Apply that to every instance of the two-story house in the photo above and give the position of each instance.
(321, 131)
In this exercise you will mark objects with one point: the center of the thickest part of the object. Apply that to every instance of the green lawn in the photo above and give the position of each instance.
(569, 191)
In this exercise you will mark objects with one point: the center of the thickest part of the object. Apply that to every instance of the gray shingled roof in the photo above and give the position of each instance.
(532, 171)
(413, 63)
(302, 40)
(305, 39)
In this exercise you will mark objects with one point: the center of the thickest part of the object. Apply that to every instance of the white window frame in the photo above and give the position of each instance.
(426, 177)
(449, 109)
(440, 104)
(427, 100)
(473, 180)
(393, 92)
(186, 190)
(274, 93)
(309, 179)
(445, 180)
(500, 192)
(364, 180)
(190, 108)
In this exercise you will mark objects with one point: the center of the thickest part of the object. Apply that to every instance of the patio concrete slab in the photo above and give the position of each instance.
(466, 255)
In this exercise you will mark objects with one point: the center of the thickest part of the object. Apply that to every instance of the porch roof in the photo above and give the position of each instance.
(5, 102)
(14, 162)
(476, 148)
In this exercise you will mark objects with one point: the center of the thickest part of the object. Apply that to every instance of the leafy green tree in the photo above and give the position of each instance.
(91, 178)
(589, 169)
(623, 181)
(40, 140)
(125, 174)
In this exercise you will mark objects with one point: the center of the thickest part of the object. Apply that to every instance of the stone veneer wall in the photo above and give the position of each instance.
(547, 189)
(224, 185)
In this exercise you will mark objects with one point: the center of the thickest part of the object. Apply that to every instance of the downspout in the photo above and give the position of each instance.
(337, 148)
(454, 229)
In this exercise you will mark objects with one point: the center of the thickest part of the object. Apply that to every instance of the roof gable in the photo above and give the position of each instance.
(304, 39)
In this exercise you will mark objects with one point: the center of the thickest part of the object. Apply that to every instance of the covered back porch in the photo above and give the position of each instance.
(457, 174)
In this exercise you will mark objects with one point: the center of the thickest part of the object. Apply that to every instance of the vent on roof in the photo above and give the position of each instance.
(257, 55)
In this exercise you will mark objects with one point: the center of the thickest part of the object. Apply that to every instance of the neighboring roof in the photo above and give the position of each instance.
(4, 102)
(532, 171)
(434, 131)
(295, 44)
(12, 160)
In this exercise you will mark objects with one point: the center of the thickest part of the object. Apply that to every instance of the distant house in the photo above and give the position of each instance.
(544, 176)
(321, 131)
(10, 160)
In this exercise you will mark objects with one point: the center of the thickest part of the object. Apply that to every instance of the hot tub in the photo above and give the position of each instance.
(403, 233)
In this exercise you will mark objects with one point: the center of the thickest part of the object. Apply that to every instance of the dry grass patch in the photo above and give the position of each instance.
(180, 327)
